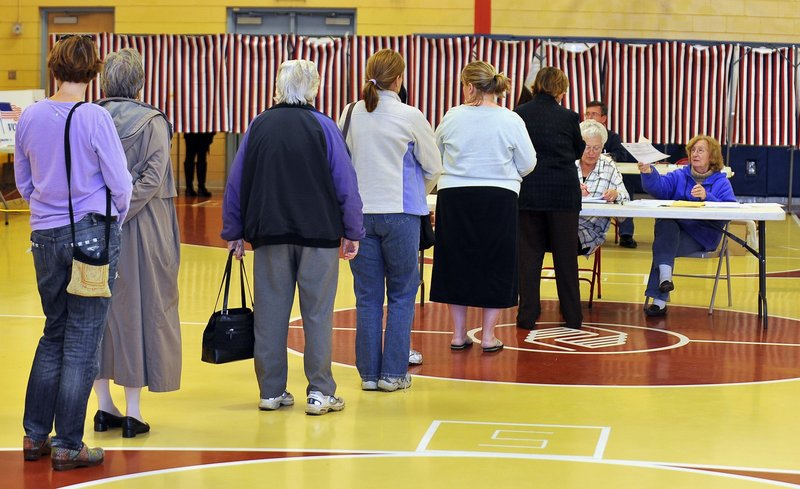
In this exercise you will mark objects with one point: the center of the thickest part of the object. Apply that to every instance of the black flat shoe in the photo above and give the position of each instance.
(653, 311)
(190, 192)
(103, 421)
(202, 192)
(666, 286)
(132, 427)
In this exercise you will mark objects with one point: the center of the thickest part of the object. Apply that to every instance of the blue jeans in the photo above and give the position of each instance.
(66, 359)
(387, 255)
(669, 241)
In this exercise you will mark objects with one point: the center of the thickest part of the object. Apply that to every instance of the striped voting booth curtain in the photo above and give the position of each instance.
(513, 58)
(201, 84)
(253, 62)
(638, 87)
(700, 89)
(437, 78)
(362, 47)
(766, 98)
(582, 63)
(666, 91)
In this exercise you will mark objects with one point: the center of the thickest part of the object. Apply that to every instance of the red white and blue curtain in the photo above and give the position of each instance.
(437, 78)
(638, 87)
(583, 65)
(362, 47)
(766, 97)
(665, 91)
(700, 91)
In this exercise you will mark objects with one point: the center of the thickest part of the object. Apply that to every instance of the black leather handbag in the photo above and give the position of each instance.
(229, 334)
(427, 237)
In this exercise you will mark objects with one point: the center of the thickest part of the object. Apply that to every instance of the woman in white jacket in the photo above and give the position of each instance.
(397, 163)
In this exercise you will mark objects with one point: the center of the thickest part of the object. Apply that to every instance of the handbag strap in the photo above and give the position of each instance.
(347, 119)
(68, 162)
(226, 284)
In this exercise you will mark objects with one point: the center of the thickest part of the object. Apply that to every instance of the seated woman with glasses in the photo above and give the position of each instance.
(599, 178)
(701, 180)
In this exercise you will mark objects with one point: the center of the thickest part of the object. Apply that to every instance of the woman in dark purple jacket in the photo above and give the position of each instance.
(702, 180)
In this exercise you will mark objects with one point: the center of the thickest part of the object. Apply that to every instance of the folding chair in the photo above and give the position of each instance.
(594, 274)
(720, 253)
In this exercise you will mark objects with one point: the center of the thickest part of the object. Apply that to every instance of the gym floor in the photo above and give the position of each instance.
(686, 401)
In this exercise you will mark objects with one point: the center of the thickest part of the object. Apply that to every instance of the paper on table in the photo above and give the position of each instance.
(688, 203)
(724, 205)
(644, 152)
(594, 200)
(648, 203)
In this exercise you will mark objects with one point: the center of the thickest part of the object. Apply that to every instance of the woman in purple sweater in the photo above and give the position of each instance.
(65, 363)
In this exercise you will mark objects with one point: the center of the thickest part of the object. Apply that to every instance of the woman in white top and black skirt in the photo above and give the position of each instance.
(485, 151)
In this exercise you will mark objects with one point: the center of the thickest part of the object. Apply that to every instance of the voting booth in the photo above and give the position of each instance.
(12, 103)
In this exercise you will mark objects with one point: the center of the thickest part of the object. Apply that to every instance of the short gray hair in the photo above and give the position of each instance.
(591, 128)
(297, 82)
(123, 74)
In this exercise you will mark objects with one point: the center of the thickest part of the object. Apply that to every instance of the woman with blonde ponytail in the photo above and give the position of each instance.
(486, 152)
(397, 164)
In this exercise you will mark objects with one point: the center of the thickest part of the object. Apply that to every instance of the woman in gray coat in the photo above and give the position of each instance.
(142, 342)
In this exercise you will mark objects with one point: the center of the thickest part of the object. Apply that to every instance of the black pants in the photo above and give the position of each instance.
(197, 145)
(539, 232)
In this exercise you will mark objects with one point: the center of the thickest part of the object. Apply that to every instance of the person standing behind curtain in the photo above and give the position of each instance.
(293, 195)
(485, 152)
(65, 363)
(197, 146)
(142, 343)
(397, 164)
(550, 200)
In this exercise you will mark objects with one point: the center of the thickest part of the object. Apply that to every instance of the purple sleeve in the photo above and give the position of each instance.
(344, 180)
(22, 165)
(659, 186)
(231, 205)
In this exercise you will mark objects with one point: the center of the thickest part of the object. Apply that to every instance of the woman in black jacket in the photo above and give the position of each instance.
(550, 200)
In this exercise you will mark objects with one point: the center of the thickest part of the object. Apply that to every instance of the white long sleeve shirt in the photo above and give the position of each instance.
(484, 146)
(395, 156)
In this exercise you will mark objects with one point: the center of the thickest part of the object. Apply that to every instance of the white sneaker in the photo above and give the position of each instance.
(319, 403)
(391, 384)
(369, 385)
(273, 403)
(414, 357)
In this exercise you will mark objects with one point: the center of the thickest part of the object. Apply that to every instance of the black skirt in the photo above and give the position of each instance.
(475, 256)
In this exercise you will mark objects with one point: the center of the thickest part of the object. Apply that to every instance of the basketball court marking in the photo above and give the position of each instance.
(685, 468)
(541, 440)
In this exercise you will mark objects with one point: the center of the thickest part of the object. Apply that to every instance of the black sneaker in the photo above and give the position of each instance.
(666, 286)
(654, 311)
(627, 242)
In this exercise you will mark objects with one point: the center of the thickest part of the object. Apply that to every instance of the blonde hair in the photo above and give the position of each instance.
(485, 78)
(383, 68)
(715, 161)
(551, 81)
